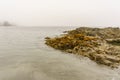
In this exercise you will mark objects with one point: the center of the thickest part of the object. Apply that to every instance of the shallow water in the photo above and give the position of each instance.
(24, 56)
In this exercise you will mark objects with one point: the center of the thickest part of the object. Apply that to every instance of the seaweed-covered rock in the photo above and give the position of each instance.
(95, 43)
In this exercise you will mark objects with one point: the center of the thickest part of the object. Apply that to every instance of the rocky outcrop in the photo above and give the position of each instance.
(98, 44)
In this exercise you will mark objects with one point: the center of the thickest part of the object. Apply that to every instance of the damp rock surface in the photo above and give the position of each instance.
(101, 45)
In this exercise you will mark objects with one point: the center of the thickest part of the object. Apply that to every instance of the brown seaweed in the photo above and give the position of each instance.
(95, 43)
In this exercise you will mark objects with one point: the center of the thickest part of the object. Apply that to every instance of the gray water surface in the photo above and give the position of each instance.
(24, 56)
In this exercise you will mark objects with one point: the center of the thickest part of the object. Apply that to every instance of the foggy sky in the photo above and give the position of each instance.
(61, 12)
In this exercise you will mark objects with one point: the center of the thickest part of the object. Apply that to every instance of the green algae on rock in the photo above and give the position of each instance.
(94, 43)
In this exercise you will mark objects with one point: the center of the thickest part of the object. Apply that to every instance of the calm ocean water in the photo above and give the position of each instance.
(24, 56)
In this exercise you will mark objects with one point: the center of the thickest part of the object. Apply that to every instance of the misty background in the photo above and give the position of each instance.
(61, 12)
